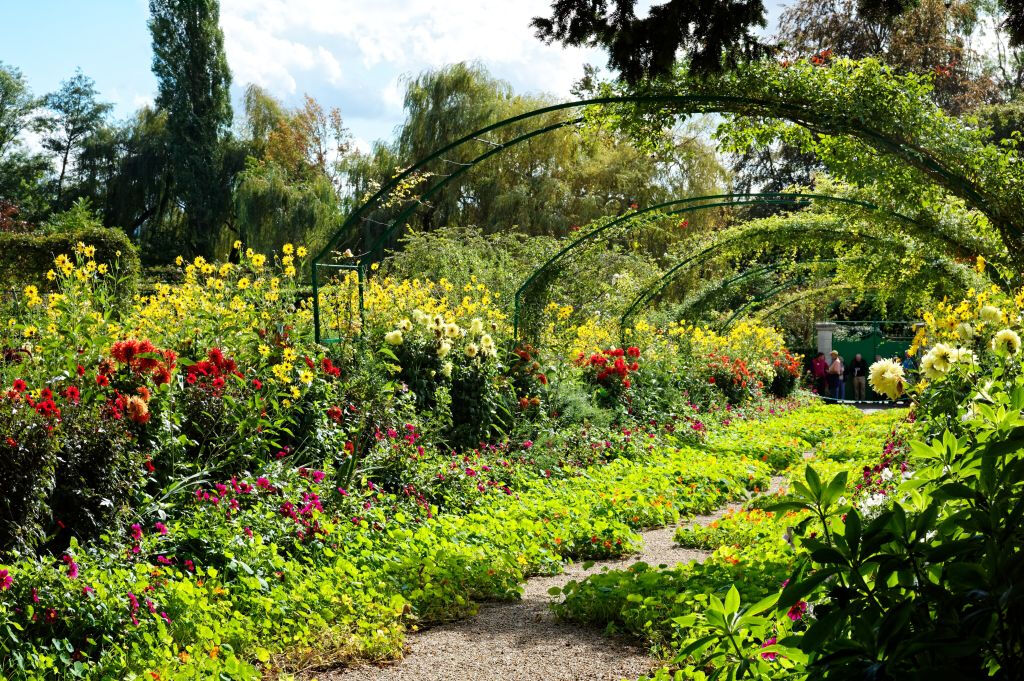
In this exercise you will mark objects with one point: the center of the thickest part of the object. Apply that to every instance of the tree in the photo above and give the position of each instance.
(22, 172)
(74, 115)
(545, 185)
(17, 107)
(933, 37)
(193, 80)
(702, 32)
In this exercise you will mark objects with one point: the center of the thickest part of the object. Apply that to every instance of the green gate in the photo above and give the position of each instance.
(882, 339)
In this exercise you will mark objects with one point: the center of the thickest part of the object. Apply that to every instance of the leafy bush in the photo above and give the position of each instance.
(26, 258)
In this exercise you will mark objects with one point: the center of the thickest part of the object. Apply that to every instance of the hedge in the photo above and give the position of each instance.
(25, 258)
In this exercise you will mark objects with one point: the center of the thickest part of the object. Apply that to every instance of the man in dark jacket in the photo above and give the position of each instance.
(859, 371)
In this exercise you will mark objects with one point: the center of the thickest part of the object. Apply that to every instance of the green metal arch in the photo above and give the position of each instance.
(647, 295)
(797, 113)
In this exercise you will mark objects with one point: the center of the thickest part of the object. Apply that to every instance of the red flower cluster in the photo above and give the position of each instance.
(142, 357)
(210, 373)
(787, 362)
(736, 369)
(328, 367)
(612, 366)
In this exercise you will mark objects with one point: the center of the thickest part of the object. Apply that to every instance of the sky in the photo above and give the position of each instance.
(350, 54)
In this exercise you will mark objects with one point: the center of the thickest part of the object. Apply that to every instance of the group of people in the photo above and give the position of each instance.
(830, 375)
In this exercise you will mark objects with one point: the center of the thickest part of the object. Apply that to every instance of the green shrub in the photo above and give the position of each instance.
(26, 258)
(29, 455)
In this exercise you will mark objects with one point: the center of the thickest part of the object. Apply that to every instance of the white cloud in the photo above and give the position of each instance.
(363, 47)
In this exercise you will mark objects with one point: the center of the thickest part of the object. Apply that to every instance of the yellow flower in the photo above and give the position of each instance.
(29, 331)
(237, 245)
(258, 259)
(263, 350)
(1006, 341)
(289, 271)
(290, 354)
(887, 378)
(393, 337)
(243, 283)
(89, 251)
(31, 291)
(51, 275)
(102, 268)
(301, 251)
(288, 249)
(296, 393)
(306, 376)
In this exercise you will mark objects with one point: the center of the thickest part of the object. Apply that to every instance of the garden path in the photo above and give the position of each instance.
(523, 641)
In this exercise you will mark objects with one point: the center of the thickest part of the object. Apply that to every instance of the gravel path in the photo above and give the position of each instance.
(522, 640)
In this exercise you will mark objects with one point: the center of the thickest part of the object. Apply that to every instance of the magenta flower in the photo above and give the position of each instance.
(797, 611)
(5, 580)
(161, 528)
(72, 566)
(137, 532)
(768, 642)
(86, 590)
(248, 532)
(318, 476)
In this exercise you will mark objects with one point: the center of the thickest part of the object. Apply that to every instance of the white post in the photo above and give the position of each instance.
(825, 330)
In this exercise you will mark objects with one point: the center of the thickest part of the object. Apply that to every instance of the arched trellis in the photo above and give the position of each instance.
(646, 296)
(679, 207)
(803, 114)
(774, 290)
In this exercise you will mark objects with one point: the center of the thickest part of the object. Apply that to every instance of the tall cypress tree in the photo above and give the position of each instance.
(193, 81)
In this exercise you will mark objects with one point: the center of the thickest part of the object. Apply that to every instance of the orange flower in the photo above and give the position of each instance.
(138, 410)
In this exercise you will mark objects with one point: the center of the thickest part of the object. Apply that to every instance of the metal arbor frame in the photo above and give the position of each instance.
(795, 112)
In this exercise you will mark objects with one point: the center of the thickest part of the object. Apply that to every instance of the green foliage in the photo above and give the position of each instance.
(193, 80)
(74, 115)
(26, 258)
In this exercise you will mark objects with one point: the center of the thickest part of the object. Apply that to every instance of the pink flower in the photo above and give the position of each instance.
(161, 528)
(86, 590)
(163, 560)
(35, 595)
(527, 444)
(318, 476)
(72, 566)
(797, 611)
(263, 483)
(768, 642)
(190, 566)
(137, 532)
(248, 532)
(5, 580)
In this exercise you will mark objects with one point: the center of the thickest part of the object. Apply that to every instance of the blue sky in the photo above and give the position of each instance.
(351, 54)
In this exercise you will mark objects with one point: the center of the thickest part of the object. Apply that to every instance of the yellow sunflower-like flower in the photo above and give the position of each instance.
(887, 378)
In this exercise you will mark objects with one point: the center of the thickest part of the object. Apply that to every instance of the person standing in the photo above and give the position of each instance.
(819, 369)
(859, 371)
(835, 374)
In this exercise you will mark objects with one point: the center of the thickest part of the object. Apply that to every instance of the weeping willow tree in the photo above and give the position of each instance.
(272, 209)
(546, 185)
